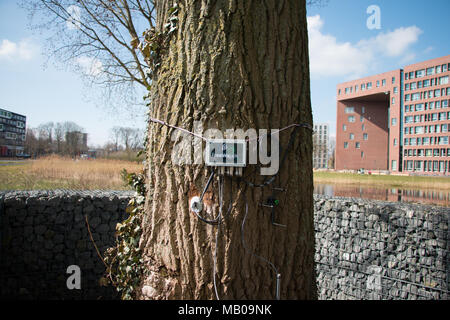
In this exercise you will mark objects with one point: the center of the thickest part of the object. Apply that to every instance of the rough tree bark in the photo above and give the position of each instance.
(231, 64)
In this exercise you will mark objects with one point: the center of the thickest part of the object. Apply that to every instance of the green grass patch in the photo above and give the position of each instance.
(385, 181)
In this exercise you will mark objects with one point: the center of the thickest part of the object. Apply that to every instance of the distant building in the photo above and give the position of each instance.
(397, 121)
(321, 146)
(12, 133)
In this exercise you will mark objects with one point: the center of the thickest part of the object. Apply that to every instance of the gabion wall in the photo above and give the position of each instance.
(45, 232)
(380, 250)
(364, 249)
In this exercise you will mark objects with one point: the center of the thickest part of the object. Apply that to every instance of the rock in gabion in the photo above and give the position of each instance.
(393, 250)
(44, 232)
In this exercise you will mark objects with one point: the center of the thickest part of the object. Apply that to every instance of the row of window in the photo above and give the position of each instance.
(428, 94)
(427, 106)
(425, 141)
(17, 130)
(9, 115)
(427, 72)
(426, 152)
(344, 127)
(5, 114)
(367, 86)
(440, 116)
(14, 136)
(429, 166)
(426, 83)
(427, 129)
(19, 124)
(351, 136)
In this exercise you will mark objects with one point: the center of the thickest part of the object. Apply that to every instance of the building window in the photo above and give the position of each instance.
(363, 127)
(365, 136)
(349, 109)
(443, 140)
(420, 73)
(395, 141)
(369, 85)
(362, 154)
(394, 165)
(344, 127)
(443, 80)
(339, 91)
(438, 69)
(378, 83)
(430, 71)
(413, 85)
(345, 145)
(393, 100)
(351, 136)
(394, 121)
(395, 89)
(383, 82)
(1, 127)
(357, 145)
(351, 118)
(393, 80)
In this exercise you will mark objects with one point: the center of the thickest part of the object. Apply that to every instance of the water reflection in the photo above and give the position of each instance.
(437, 197)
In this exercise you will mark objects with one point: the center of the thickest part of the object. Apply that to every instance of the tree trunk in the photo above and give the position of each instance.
(231, 64)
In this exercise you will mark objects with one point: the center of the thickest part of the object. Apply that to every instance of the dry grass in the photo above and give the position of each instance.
(56, 172)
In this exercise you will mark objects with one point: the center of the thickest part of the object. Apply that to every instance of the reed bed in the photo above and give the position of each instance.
(55, 172)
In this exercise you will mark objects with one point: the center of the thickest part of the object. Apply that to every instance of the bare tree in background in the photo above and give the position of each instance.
(115, 136)
(103, 40)
(100, 38)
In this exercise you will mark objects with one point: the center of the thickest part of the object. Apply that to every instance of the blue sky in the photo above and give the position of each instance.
(341, 48)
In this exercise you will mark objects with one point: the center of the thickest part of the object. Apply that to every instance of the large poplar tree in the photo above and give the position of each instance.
(230, 64)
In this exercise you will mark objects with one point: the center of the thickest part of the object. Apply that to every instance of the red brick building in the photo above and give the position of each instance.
(397, 121)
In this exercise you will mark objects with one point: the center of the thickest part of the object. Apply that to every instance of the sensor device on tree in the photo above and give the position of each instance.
(228, 155)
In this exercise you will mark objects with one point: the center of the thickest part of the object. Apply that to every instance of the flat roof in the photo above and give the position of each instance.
(18, 114)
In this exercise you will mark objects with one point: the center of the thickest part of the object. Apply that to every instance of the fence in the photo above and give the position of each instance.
(377, 250)
(364, 249)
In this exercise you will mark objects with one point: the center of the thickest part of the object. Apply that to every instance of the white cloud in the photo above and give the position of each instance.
(90, 66)
(23, 50)
(392, 44)
(329, 57)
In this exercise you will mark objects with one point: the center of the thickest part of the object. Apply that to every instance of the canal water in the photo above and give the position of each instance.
(435, 197)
